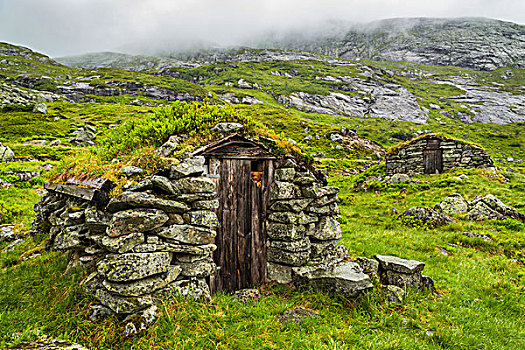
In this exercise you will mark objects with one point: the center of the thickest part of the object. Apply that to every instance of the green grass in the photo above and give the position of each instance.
(480, 302)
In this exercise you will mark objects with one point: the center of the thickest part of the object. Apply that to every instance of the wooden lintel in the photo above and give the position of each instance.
(88, 194)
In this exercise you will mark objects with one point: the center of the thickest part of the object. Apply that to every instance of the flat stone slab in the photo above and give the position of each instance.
(344, 278)
(129, 200)
(393, 263)
(133, 266)
(49, 344)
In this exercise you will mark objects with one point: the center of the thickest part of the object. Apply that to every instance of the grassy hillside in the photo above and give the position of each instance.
(480, 299)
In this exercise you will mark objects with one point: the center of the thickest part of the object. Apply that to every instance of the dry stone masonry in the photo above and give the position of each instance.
(433, 153)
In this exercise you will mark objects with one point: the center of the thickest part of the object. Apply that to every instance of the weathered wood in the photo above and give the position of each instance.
(104, 185)
(433, 161)
(236, 147)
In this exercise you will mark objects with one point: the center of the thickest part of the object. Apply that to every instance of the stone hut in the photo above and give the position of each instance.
(431, 154)
(233, 214)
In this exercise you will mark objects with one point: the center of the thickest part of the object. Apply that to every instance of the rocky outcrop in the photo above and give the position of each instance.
(433, 41)
(424, 217)
(453, 204)
(10, 95)
(6, 154)
(491, 208)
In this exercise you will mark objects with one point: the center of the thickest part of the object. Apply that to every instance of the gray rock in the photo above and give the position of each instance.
(295, 205)
(130, 171)
(292, 218)
(247, 295)
(283, 190)
(286, 232)
(204, 218)
(70, 237)
(200, 268)
(397, 178)
(40, 108)
(206, 205)
(190, 167)
(336, 138)
(135, 220)
(97, 221)
(195, 288)
(129, 200)
(453, 204)
(187, 234)
(278, 273)
(6, 154)
(344, 278)
(402, 280)
(133, 266)
(123, 305)
(169, 146)
(100, 312)
(424, 217)
(138, 323)
(7, 233)
(291, 246)
(369, 266)
(427, 284)
(143, 286)
(285, 174)
(162, 184)
(227, 127)
(393, 295)
(392, 263)
(195, 185)
(328, 229)
(121, 244)
(280, 256)
(490, 207)
(49, 344)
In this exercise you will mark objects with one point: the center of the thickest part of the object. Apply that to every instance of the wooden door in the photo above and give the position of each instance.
(243, 188)
(433, 160)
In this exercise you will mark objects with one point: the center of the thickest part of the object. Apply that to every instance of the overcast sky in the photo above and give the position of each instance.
(67, 27)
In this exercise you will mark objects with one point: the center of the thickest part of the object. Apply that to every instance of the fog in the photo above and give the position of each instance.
(69, 27)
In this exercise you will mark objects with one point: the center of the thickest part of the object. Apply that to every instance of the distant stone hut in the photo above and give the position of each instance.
(231, 215)
(431, 154)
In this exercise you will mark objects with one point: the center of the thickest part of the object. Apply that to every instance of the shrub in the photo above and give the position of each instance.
(511, 224)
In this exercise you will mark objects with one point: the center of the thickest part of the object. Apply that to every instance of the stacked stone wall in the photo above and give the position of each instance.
(156, 237)
(409, 160)
(301, 223)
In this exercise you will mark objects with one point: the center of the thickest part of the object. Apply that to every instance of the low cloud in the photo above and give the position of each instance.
(59, 27)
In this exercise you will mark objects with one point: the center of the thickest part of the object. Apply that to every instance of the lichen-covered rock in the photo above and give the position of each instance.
(490, 207)
(70, 237)
(328, 229)
(195, 288)
(291, 246)
(369, 266)
(139, 322)
(190, 167)
(320, 250)
(169, 146)
(135, 220)
(343, 278)
(393, 295)
(130, 170)
(123, 305)
(6, 154)
(292, 218)
(280, 256)
(163, 184)
(304, 178)
(296, 315)
(187, 234)
(330, 209)
(143, 286)
(133, 266)
(424, 217)
(285, 232)
(295, 205)
(283, 190)
(129, 200)
(196, 185)
(205, 205)
(200, 268)
(97, 221)
(397, 178)
(278, 273)
(120, 244)
(49, 344)
(203, 218)
(284, 174)
(40, 108)
(393, 263)
(227, 127)
(453, 204)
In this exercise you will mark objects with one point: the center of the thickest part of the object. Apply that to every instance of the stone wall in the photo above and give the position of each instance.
(154, 238)
(301, 223)
(409, 159)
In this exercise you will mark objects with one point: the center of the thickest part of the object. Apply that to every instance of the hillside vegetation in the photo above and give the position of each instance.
(304, 100)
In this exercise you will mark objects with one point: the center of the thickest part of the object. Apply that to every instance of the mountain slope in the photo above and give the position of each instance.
(475, 43)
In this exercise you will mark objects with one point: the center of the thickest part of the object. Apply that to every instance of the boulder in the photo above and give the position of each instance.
(424, 217)
(403, 273)
(40, 108)
(453, 204)
(490, 207)
(129, 200)
(135, 220)
(344, 278)
(130, 170)
(169, 146)
(227, 127)
(397, 178)
(392, 263)
(133, 266)
(6, 154)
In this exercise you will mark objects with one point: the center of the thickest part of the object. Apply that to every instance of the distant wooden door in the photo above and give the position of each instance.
(243, 188)
(433, 157)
